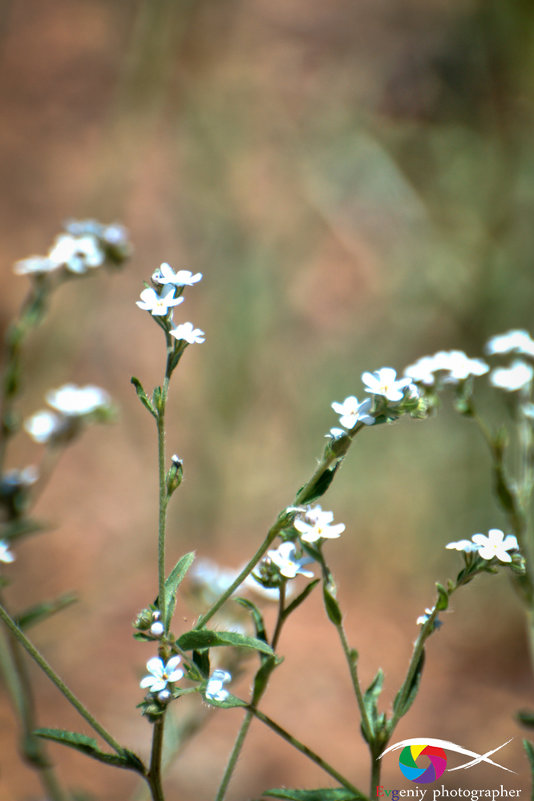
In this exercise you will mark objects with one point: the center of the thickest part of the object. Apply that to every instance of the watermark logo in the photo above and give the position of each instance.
(414, 772)
(421, 771)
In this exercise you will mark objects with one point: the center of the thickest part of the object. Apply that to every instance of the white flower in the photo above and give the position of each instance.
(166, 275)
(515, 341)
(352, 411)
(158, 305)
(188, 332)
(317, 524)
(422, 371)
(44, 426)
(5, 553)
(518, 376)
(35, 265)
(215, 687)
(284, 559)
(458, 365)
(335, 433)
(77, 253)
(161, 674)
(462, 545)
(385, 382)
(495, 545)
(74, 401)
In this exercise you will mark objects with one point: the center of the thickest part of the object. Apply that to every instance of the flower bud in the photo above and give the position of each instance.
(144, 620)
(174, 475)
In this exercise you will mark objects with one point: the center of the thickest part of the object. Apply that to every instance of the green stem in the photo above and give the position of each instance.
(60, 684)
(249, 567)
(154, 772)
(281, 617)
(163, 499)
(19, 687)
(234, 756)
(282, 522)
(351, 663)
(303, 749)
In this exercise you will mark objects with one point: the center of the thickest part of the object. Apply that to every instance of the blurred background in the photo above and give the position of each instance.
(355, 180)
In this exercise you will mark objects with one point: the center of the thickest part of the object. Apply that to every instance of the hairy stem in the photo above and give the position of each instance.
(60, 684)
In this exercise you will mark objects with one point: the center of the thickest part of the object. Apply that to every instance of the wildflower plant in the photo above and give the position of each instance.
(289, 563)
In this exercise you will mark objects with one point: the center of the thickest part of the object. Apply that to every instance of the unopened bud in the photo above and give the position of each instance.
(174, 475)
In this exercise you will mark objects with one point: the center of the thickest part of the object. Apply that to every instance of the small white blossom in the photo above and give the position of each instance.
(515, 341)
(166, 275)
(44, 426)
(351, 411)
(458, 365)
(161, 674)
(518, 376)
(77, 253)
(462, 545)
(317, 524)
(335, 433)
(422, 619)
(495, 545)
(385, 382)
(5, 554)
(35, 265)
(215, 687)
(284, 559)
(74, 401)
(422, 371)
(159, 305)
(188, 332)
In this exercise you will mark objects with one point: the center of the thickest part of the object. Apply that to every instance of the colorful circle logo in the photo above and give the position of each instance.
(426, 775)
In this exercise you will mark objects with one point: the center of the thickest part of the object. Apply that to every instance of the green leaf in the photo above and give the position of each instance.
(88, 746)
(172, 582)
(259, 624)
(301, 597)
(312, 491)
(526, 717)
(326, 794)
(401, 707)
(443, 597)
(204, 638)
(331, 605)
(230, 702)
(34, 614)
(529, 748)
(261, 678)
(143, 397)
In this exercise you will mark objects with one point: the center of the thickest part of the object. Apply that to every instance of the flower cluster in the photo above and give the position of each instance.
(73, 406)
(390, 398)
(161, 299)
(447, 366)
(85, 245)
(517, 376)
(493, 546)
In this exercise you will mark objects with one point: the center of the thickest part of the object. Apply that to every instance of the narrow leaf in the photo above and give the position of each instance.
(529, 748)
(261, 678)
(204, 638)
(331, 605)
(326, 794)
(526, 717)
(312, 491)
(401, 707)
(88, 746)
(173, 581)
(443, 597)
(35, 614)
(301, 597)
(257, 617)
(143, 397)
